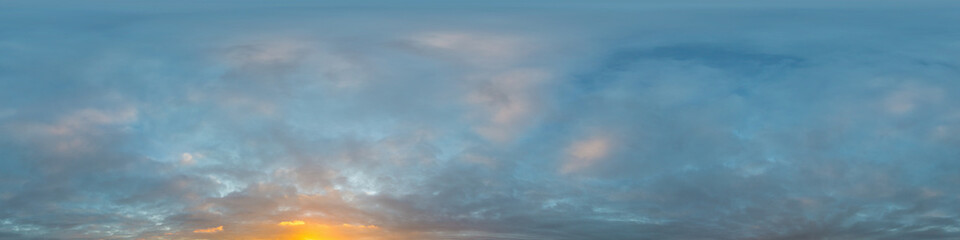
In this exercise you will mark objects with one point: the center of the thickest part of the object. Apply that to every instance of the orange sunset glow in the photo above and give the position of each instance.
(288, 230)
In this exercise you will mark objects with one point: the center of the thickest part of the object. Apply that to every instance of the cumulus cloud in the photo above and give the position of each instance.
(427, 120)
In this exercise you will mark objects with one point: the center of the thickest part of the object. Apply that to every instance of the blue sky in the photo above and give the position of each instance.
(468, 120)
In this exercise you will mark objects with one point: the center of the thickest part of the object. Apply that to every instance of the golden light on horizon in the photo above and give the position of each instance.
(316, 231)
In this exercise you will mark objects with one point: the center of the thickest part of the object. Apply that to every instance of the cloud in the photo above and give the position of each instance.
(291, 223)
(907, 98)
(586, 153)
(187, 159)
(209, 230)
(508, 102)
(479, 49)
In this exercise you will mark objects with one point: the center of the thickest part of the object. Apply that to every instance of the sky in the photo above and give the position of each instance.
(522, 120)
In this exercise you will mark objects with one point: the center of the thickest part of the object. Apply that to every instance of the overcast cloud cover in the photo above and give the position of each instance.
(469, 120)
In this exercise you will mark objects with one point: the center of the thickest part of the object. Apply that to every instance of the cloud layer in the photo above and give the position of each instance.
(693, 120)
